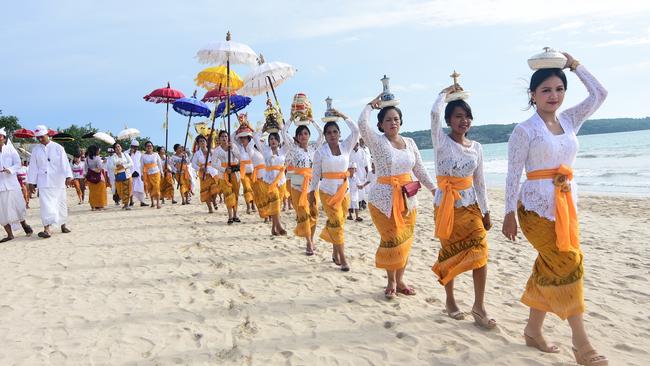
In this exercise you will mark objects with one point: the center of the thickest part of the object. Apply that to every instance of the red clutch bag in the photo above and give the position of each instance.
(411, 189)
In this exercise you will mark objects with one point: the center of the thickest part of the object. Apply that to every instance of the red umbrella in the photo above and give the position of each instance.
(215, 95)
(23, 133)
(164, 95)
(51, 132)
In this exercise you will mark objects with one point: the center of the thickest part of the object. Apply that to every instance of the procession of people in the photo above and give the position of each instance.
(372, 171)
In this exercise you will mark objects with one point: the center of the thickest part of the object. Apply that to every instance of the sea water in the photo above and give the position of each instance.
(612, 163)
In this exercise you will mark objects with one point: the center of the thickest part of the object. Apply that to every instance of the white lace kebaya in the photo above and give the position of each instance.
(326, 162)
(390, 161)
(533, 146)
(271, 159)
(299, 157)
(221, 157)
(455, 160)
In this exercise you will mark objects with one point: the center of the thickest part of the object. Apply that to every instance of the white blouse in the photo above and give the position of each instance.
(10, 160)
(271, 159)
(390, 161)
(454, 159)
(78, 170)
(152, 158)
(221, 157)
(124, 160)
(533, 146)
(326, 162)
(198, 160)
(48, 166)
(297, 156)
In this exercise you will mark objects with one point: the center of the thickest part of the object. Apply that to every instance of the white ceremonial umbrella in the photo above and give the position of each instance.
(266, 77)
(128, 133)
(102, 136)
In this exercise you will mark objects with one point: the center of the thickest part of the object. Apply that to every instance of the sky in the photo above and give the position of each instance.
(65, 62)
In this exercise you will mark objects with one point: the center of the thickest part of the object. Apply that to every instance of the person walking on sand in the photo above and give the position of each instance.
(49, 169)
(151, 172)
(207, 173)
(12, 203)
(274, 179)
(95, 176)
(122, 165)
(137, 191)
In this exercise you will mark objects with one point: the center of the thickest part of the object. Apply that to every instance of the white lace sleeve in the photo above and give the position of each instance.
(369, 136)
(350, 141)
(285, 135)
(418, 169)
(159, 162)
(436, 120)
(264, 148)
(518, 145)
(578, 114)
(316, 171)
(479, 182)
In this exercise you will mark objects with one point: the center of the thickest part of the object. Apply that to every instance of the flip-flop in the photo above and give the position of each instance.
(43, 235)
(230, 221)
(358, 219)
(236, 219)
(390, 293)
(65, 230)
(345, 268)
(483, 322)
(336, 261)
(408, 291)
(4, 240)
(28, 230)
(309, 253)
(456, 315)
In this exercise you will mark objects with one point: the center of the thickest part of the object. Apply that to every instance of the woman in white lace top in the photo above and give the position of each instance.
(246, 167)
(396, 161)
(302, 157)
(330, 171)
(151, 173)
(207, 173)
(461, 208)
(226, 159)
(546, 145)
(273, 178)
(257, 175)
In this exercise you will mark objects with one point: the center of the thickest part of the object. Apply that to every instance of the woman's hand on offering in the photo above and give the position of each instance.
(375, 103)
(569, 59)
(337, 113)
(487, 223)
(451, 89)
(509, 228)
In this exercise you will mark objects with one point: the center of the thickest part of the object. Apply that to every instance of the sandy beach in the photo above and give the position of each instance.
(179, 286)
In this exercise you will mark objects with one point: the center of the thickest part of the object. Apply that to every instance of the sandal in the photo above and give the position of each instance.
(309, 252)
(336, 261)
(588, 356)
(345, 268)
(236, 219)
(65, 230)
(483, 322)
(390, 293)
(408, 291)
(456, 315)
(4, 240)
(230, 221)
(44, 235)
(540, 343)
(28, 230)
(358, 219)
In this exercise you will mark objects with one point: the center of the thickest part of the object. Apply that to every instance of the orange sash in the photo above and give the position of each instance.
(242, 165)
(566, 217)
(145, 169)
(343, 188)
(449, 186)
(280, 169)
(306, 175)
(226, 178)
(256, 169)
(397, 181)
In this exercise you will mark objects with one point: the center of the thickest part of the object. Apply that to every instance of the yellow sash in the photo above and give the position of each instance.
(280, 170)
(340, 193)
(566, 217)
(306, 175)
(242, 165)
(397, 181)
(449, 187)
(226, 176)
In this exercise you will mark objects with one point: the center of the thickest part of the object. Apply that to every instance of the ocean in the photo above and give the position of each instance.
(612, 163)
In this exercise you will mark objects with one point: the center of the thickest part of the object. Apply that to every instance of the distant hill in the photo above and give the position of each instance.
(489, 134)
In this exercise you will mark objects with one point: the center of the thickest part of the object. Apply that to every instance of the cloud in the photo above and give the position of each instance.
(627, 41)
(409, 88)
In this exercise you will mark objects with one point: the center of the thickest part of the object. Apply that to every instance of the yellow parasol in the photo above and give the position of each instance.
(217, 77)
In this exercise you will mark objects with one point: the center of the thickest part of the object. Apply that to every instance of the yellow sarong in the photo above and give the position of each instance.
(151, 181)
(445, 218)
(97, 194)
(306, 216)
(123, 190)
(306, 175)
(466, 248)
(260, 196)
(209, 187)
(167, 186)
(274, 200)
(246, 181)
(342, 190)
(556, 284)
(230, 188)
(336, 213)
(183, 177)
(395, 241)
(566, 217)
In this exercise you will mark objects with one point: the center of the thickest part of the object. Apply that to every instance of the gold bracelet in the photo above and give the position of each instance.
(574, 65)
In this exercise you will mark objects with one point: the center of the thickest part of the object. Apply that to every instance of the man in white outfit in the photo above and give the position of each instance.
(12, 203)
(138, 183)
(110, 169)
(49, 170)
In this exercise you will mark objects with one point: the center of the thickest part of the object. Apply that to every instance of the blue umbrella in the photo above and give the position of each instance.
(190, 107)
(237, 103)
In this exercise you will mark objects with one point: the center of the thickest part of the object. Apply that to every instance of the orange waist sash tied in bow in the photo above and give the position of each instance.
(226, 179)
(566, 217)
(449, 186)
(396, 182)
(306, 175)
(340, 193)
(242, 165)
(280, 169)
(256, 169)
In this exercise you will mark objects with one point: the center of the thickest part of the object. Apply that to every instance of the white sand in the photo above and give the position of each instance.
(179, 286)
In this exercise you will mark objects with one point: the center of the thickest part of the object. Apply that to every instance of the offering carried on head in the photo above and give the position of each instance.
(387, 99)
(301, 111)
(330, 116)
(459, 93)
(272, 117)
(549, 59)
